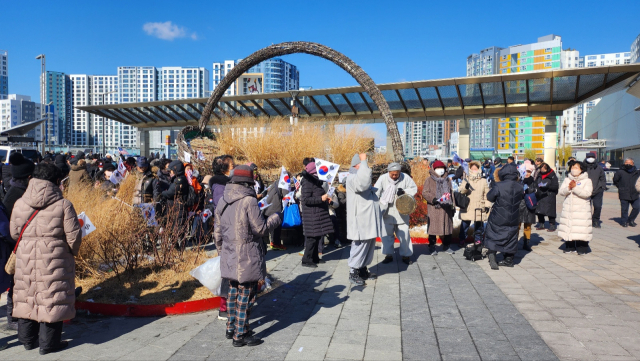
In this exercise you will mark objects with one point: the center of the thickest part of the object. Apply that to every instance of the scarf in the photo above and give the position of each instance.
(442, 187)
(631, 170)
(389, 195)
(546, 175)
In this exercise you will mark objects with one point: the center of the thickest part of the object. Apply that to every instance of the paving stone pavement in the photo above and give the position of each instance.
(584, 307)
(550, 305)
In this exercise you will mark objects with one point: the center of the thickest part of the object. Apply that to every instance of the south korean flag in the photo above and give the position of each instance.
(326, 170)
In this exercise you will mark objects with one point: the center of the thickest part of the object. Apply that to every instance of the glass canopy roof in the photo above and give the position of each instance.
(548, 92)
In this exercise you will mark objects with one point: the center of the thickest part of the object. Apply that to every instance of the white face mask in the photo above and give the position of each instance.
(440, 171)
(591, 160)
(576, 172)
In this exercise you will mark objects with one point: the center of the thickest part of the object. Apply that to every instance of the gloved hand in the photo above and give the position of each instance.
(486, 209)
(400, 192)
(467, 186)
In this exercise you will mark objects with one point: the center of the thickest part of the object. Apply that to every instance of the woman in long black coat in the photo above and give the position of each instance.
(547, 189)
(316, 222)
(501, 233)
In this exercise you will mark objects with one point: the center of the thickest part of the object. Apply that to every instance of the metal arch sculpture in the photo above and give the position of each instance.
(318, 50)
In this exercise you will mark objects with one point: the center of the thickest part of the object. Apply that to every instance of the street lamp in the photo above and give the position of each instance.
(48, 124)
(42, 97)
(104, 151)
(293, 119)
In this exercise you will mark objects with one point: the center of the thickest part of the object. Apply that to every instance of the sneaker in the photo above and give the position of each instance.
(247, 341)
(366, 275)
(632, 224)
(61, 346)
(277, 247)
(506, 262)
(625, 224)
(539, 226)
(321, 261)
(407, 261)
(433, 251)
(387, 259)
(301, 253)
(552, 228)
(596, 224)
(450, 251)
(223, 315)
(337, 243)
(354, 278)
(310, 265)
(30, 347)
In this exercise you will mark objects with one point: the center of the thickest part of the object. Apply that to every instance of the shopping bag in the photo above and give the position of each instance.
(209, 275)
(291, 217)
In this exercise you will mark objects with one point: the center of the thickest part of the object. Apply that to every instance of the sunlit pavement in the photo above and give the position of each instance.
(550, 305)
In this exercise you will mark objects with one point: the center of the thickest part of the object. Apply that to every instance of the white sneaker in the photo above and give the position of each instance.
(338, 244)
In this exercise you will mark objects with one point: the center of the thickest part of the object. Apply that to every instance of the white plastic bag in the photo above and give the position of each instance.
(209, 275)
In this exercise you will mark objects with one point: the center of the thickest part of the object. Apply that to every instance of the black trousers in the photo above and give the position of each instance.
(552, 220)
(10, 318)
(311, 249)
(446, 241)
(30, 332)
(596, 201)
(277, 236)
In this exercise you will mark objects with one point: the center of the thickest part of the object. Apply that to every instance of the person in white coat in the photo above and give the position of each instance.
(364, 221)
(389, 187)
(575, 219)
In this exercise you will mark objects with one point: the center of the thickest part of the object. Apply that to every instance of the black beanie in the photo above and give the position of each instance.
(21, 167)
(80, 155)
(61, 159)
(177, 167)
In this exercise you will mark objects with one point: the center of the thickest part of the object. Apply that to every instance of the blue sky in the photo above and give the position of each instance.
(391, 40)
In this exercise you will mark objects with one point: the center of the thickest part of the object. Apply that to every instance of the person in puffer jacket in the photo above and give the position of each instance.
(44, 294)
(238, 231)
(575, 220)
(503, 226)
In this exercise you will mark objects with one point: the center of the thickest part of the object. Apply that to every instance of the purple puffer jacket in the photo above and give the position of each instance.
(217, 184)
(238, 234)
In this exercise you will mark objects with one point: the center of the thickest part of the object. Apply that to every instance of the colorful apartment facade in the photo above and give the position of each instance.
(516, 135)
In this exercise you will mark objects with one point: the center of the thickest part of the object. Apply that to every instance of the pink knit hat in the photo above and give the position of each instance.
(311, 168)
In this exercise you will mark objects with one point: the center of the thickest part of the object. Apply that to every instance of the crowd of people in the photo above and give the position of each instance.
(497, 200)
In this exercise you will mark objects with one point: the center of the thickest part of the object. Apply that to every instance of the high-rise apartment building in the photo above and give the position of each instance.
(574, 117)
(515, 135)
(19, 109)
(81, 125)
(182, 83)
(635, 50)
(58, 92)
(278, 75)
(4, 74)
(105, 90)
(485, 62)
(418, 136)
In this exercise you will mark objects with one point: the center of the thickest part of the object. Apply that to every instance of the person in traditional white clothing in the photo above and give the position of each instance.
(364, 221)
(389, 187)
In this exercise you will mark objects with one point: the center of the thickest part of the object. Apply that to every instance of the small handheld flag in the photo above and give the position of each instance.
(86, 226)
(285, 181)
(342, 176)
(326, 170)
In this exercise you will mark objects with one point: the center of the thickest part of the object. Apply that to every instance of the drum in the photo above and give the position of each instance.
(406, 204)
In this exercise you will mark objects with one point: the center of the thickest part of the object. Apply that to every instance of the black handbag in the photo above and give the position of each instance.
(462, 200)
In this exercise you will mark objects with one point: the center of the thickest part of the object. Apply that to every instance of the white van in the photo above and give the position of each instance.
(7, 150)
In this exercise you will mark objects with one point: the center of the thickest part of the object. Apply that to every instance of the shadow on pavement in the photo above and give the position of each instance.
(293, 303)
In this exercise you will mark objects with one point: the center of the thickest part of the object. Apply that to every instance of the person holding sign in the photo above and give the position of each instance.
(389, 187)
(46, 227)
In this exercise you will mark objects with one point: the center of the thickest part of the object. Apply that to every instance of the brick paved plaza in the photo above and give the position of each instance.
(549, 306)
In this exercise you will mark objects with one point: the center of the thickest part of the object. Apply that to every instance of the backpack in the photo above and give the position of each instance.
(5, 231)
(192, 197)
